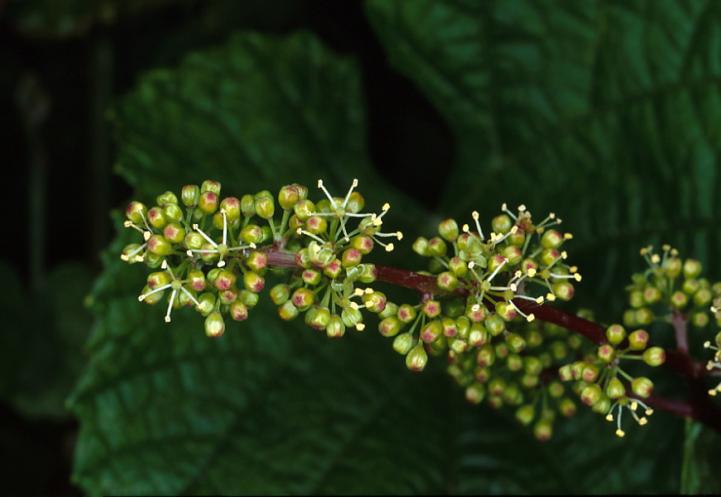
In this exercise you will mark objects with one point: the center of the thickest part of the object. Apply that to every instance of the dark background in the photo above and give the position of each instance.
(59, 185)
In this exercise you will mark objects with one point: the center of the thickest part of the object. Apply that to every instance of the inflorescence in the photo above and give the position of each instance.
(214, 255)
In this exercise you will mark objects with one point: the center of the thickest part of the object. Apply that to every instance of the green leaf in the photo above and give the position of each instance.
(604, 112)
(48, 329)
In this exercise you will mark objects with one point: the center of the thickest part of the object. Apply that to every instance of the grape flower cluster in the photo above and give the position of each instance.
(214, 254)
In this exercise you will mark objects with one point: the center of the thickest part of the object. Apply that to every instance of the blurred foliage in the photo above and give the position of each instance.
(73, 18)
(604, 112)
(57, 310)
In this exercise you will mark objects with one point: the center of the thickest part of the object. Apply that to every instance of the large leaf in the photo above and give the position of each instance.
(604, 112)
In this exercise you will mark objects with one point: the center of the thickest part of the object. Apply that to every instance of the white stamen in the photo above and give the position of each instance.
(170, 305)
(151, 292)
(475, 217)
(202, 233)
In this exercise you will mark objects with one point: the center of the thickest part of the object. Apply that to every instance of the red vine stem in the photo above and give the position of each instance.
(698, 405)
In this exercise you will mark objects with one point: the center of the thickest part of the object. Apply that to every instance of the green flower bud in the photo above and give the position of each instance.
(515, 342)
(506, 311)
(311, 276)
(447, 281)
(375, 302)
(565, 372)
(159, 245)
(317, 317)
(420, 246)
(654, 356)
(304, 209)
(174, 233)
(551, 239)
(257, 261)
(449, 327)
(403, 343)
(288, 311)
(437, 247)
(303, 298)
(335, 327)
(225, 280)
(289, 195)
(214, 325)
(591, 394)
(352, 318)
(699, 319)
(458, 267)
(208, 202)
(264, 205)
(238, 311)
(253, 282)
(563, 290)
(316, 225)
(136, 212)
(543, 430)
(678, 300)
(431, 308)
(247, 205)
(417, 359)
(589, 373)
(190, 195)
(210, 185)
(638, 340)
(615, 334)
(390, 310)
(644, 316)
(448, 229)
(194, 240)
(495, 324)
(166, 198)
(390, 326)
(351, 257)
(642, 387)
(227, 297)
(514, 363)
(703, 297)
(606, 353)
(502, 224)
(431, 331)
(602, 406)
(151, 298)
(356, 202)
(475, 393)
(231, 207)
(406, 313)
(513, 254)
(250, 299)
(615, 389)
(156, 218)
(651, 295)
(206, 304)
(525, 414)
(485, 356)
(690, 287)
(629, 317)
(672, 267)
(691, 268)
(567, 407)
(333, 269)
(362, 243)
(251, 233)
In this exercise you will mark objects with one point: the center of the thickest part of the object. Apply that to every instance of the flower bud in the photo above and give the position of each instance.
(406, 313)
(151, 298)
(333, 269)
(351, 257)
(375, 302)
(563, 290)
(214, 324)
(210, 185)
(238, 311)
(436, 247)
(208, 202)
(615, 389)
(390, 310)
(157, 218)
(250, 299)
(420, 246)
(247, 205)
(431, 331)
(288, 311)
(606, 353)
(638, 340)
(190, 195)
(551, 239)
(311, 277)
(174, 233)
(136, 212)
(317, 317)
(251, 233)
(591, 394)
(448, 229)
(352, 318)
(335, 328)
(495, 324)
(543, 430)
(231, 207)
(264, 205)
(206, 304)
(447, 281)
(253, 282)
(257, 260)
(475, 393)
(289, 195)
(654, 356)
(403, 343)
(485, 356)
(416, 359)
(644, 316)
(431, 308)
(615, 334)
(565, 372)
(159, 245)
(304, 209)
(691, 268)
(225, 280)
(506, 311)
(390, 326)
(502, 224)
(589, 373)
(642, 387)
(194, 240)
(525, 414)
(515, 342)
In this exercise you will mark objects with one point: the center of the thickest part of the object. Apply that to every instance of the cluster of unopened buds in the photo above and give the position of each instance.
(214, 254)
